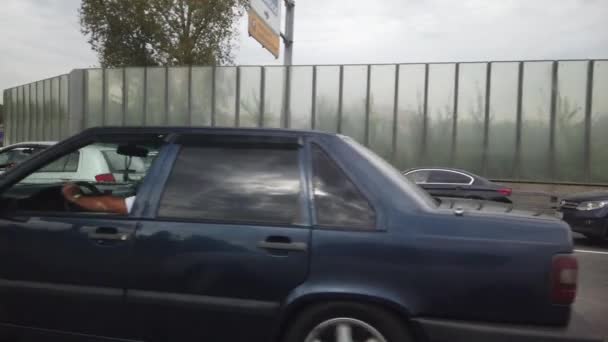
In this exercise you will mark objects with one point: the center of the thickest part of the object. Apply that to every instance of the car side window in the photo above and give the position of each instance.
(338, 202)
(418, 177)
(449, 177)
(61, 186)
(234, 183)
(67, 163)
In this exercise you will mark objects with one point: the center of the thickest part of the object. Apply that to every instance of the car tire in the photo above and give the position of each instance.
(322, 322)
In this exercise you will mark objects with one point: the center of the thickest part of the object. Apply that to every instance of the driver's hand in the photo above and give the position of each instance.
(71, 191)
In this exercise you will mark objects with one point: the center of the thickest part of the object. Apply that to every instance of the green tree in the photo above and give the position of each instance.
(161, 32)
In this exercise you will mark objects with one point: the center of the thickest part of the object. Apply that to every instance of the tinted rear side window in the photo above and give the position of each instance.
(448, 177)
(234, 184)
(338, 203)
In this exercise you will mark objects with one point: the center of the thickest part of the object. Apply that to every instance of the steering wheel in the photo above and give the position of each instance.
(69, 206)
(89, 186)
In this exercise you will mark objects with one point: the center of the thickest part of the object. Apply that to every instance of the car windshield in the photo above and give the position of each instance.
(391, 172)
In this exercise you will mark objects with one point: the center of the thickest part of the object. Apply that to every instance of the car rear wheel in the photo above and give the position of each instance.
(347, 322)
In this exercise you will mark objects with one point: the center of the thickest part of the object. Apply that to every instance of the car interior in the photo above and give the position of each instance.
(130, 161)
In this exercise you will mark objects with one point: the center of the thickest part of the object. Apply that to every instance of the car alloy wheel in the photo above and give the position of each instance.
(344, 330)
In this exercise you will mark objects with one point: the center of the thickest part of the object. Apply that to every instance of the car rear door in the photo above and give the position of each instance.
(226, 240)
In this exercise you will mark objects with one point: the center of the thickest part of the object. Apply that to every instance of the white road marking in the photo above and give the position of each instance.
(588, 251)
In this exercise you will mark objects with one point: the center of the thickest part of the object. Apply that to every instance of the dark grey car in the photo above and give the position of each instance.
(450, 182)
(587, 213)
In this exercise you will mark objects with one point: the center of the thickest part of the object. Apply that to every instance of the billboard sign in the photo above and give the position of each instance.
(265, 24)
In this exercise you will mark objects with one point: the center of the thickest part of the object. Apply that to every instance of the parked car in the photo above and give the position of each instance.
(587, 213)
(14, 154)
(449, 182)
(272, 235)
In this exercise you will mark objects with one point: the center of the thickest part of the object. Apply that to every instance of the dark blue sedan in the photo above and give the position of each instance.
(269, 235)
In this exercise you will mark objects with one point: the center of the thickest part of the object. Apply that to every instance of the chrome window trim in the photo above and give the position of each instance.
(443, 170)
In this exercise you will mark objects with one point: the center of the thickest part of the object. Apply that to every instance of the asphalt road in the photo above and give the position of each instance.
(592, 295)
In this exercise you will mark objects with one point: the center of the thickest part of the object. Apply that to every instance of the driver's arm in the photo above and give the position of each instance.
(106, 204)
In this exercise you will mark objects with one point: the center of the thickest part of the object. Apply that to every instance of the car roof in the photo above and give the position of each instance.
(203, 130)
(28, 143)
(25, 143)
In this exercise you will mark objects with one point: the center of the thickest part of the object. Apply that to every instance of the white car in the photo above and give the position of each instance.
(96, 163)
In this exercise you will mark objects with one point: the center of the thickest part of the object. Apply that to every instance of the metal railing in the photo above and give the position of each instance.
(510, 120)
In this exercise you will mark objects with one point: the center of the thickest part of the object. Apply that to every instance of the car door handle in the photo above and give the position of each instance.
(283, 246)
(108, 233)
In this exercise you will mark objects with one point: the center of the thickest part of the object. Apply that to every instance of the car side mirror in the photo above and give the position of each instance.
(132, 151)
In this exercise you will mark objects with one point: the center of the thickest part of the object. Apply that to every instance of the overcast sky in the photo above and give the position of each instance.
(41, 38)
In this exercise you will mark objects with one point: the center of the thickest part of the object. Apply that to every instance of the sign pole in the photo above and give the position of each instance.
(290, 6)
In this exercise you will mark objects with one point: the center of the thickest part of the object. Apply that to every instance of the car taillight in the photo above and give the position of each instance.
(564, 277)
(105, 177)
(505, 191)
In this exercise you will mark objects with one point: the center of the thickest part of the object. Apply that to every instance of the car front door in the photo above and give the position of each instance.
(64, 274)
(63, 271)
(226, 244)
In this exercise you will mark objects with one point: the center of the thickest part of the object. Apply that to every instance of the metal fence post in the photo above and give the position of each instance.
(60, 116)
(145, 97)
(104, 97)
(395, 114)
(313, 112)
(237, 98)
(213, 92)
(125, 96)
(76, 101)
(190, 95)
(516, 171)
(455, 114)
(34, 110)
(340, 98)
(262, 95)
(66, 115)
(588, 118)
(166, 109)
(367, 104)
(486, 120)
(28, 105)
(553, 114)
(45, 112)
(287, 98)
(425, 108)
(5, 118)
